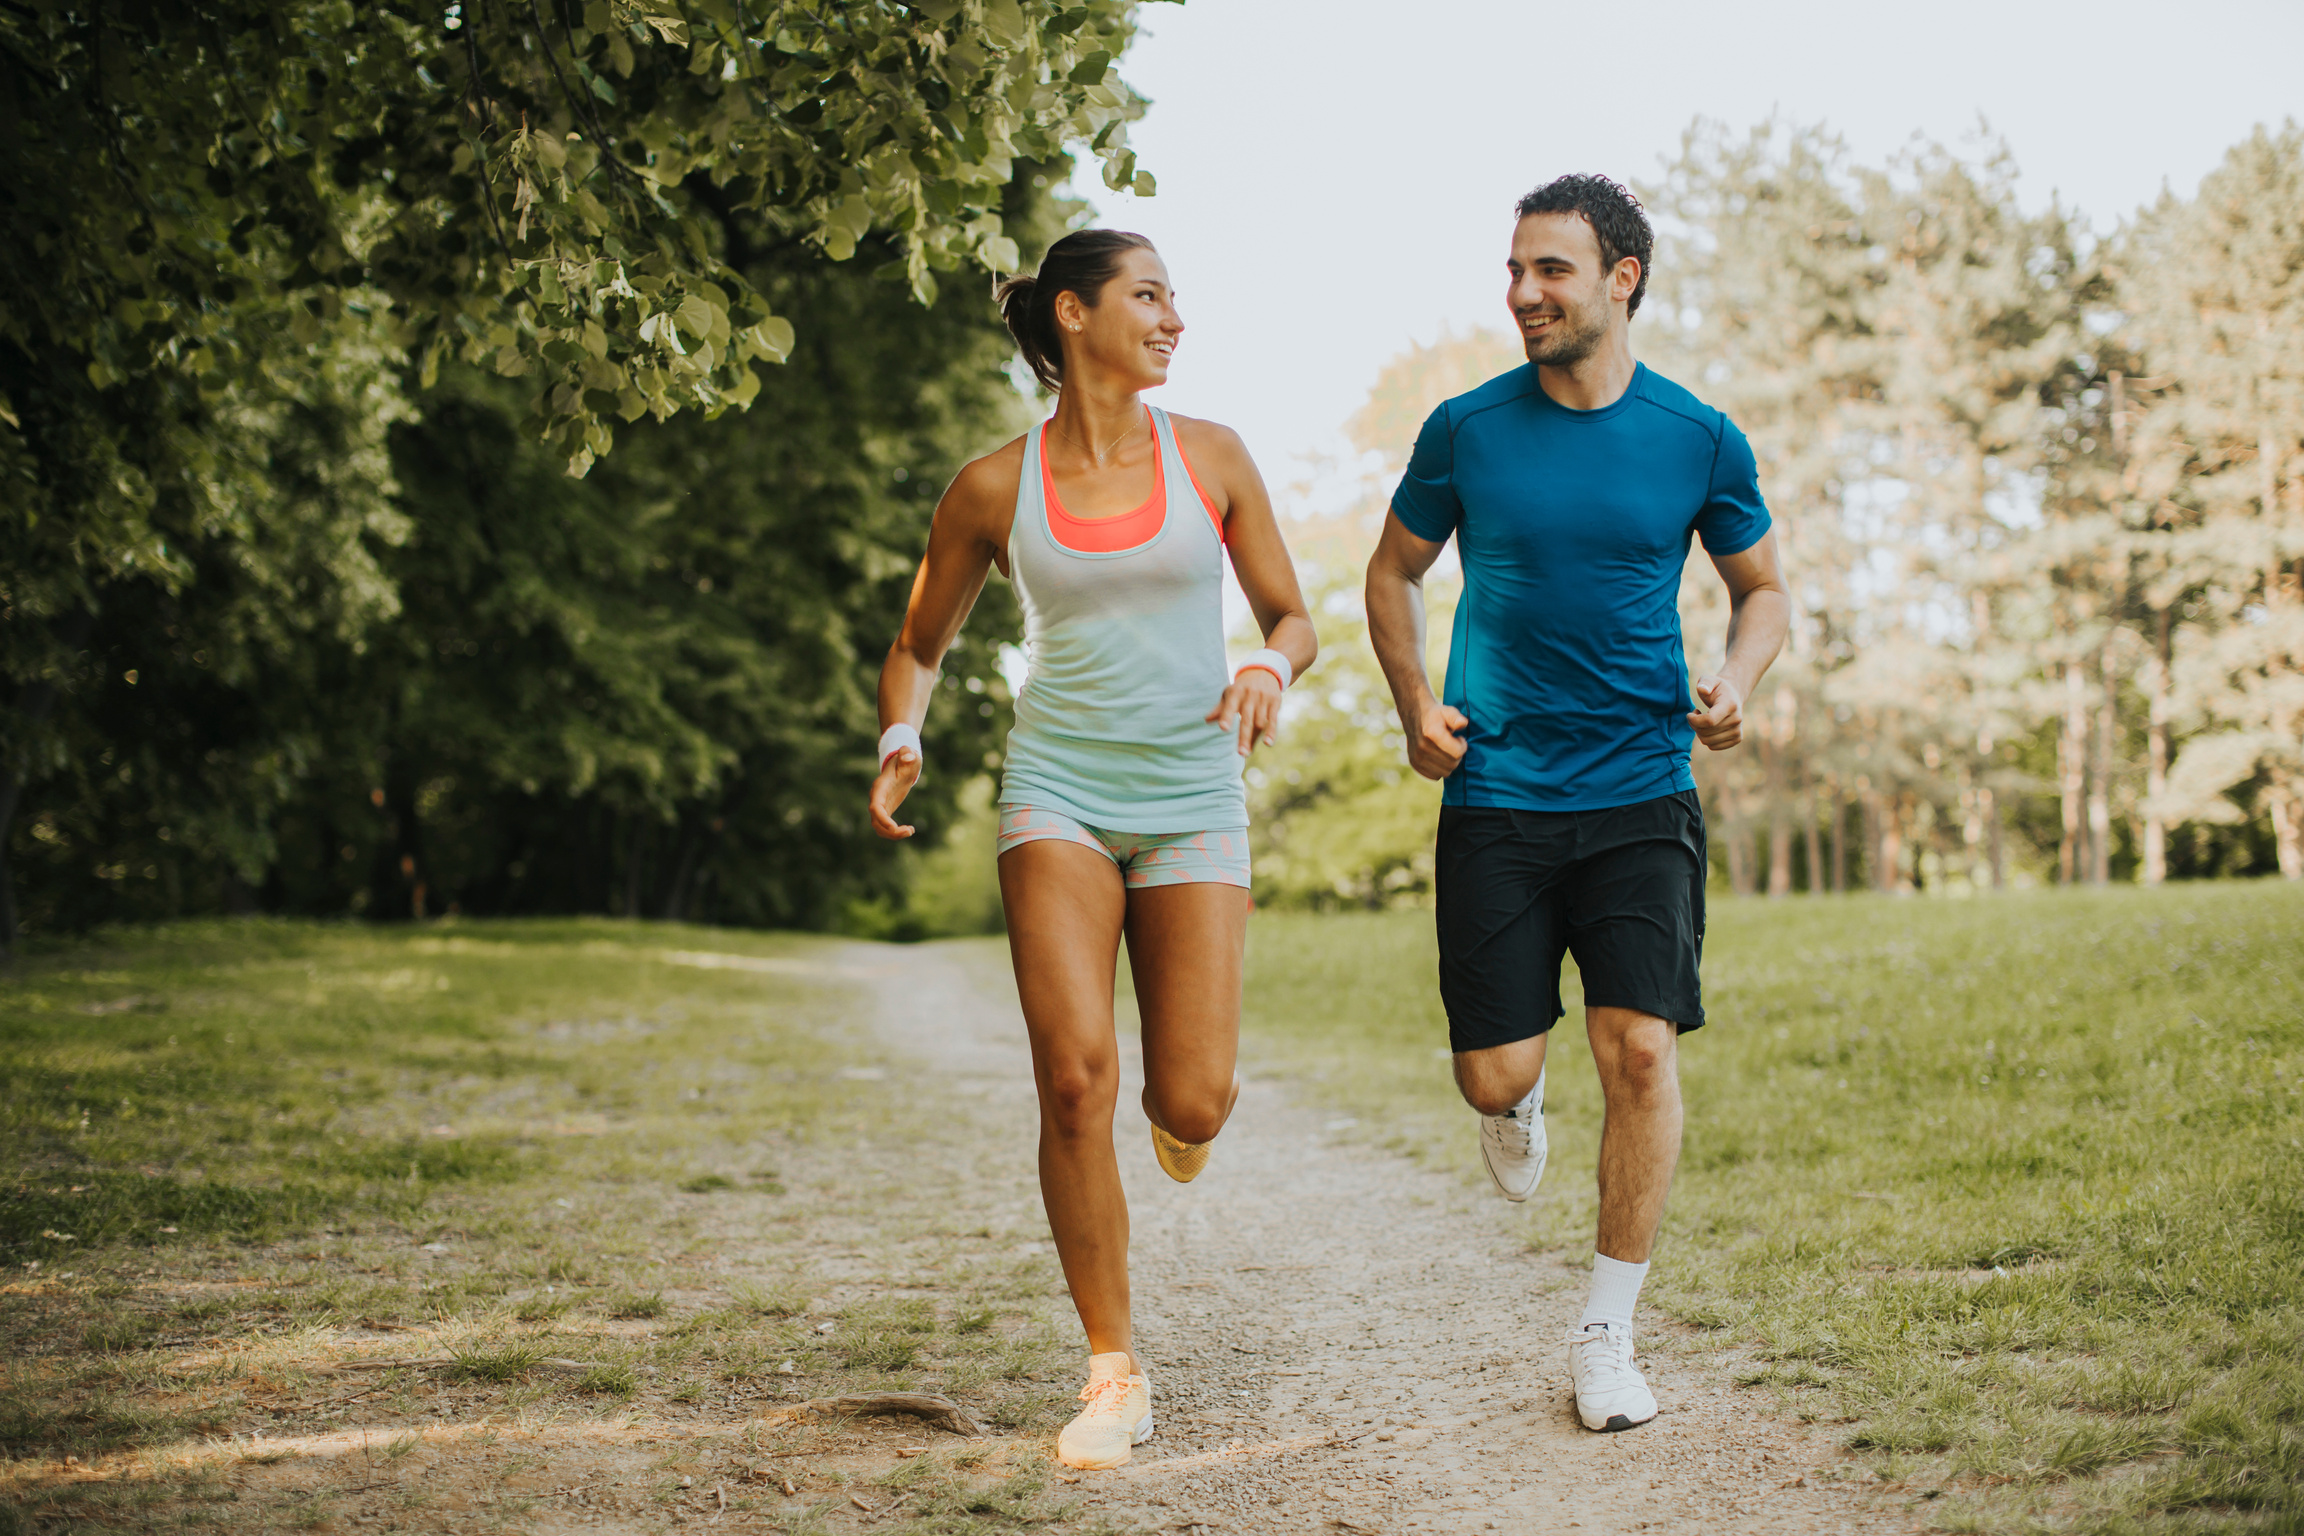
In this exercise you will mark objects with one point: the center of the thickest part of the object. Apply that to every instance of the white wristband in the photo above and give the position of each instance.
(1271, 661)
(897, 736)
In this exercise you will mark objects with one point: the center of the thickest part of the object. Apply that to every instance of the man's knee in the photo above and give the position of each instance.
(1641, 1057)
(1495, 1080)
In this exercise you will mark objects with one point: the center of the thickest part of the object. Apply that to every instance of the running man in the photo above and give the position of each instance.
(1570, 822)
(1121, 806)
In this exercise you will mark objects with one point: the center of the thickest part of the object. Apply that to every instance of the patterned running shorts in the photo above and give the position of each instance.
(1218, 857)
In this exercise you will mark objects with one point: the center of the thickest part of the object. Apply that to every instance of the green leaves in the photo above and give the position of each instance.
(479, 174)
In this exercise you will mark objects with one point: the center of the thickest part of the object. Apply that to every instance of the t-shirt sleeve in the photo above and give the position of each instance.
(1734, 516)
(1426, 501)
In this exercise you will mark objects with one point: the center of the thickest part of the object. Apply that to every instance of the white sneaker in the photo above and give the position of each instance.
(1513, 1145)
(1611, 1394)
(1118, 1418)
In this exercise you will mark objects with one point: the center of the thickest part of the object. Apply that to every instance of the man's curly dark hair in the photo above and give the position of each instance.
(1618, 221)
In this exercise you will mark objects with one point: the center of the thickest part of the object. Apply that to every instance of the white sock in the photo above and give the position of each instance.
(1615, 1291)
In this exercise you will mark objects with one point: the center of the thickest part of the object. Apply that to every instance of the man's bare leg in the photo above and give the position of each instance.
(1638, 1058)
(1495, 1079)
(1506, 1084)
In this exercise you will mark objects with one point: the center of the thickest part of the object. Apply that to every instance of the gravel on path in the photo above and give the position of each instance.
(1342, 1341)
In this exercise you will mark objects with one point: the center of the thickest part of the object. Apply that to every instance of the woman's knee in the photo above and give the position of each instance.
(1077, 1095)
(1192, 1115)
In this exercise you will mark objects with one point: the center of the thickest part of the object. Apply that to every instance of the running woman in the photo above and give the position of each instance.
(1569, 822)
(1121, 807)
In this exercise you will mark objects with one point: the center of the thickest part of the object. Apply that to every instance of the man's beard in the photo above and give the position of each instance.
(1575, 336)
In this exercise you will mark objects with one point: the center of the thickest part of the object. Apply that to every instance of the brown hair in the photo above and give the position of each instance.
(1619, 224)
(1082, 263)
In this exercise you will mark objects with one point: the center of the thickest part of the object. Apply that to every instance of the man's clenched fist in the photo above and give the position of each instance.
(1434, 747)
(1720, 724)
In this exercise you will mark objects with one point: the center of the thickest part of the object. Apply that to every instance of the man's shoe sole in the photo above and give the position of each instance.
(1617, 1423)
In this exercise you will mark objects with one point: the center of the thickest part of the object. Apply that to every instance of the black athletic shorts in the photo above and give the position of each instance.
(1621, 889)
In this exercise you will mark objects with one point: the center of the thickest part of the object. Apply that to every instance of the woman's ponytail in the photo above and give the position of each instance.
(1081, 263)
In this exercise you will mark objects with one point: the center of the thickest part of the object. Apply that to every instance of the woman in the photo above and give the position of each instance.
(1121, 809)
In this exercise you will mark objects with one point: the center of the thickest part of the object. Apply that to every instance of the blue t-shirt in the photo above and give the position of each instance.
(1572, 527)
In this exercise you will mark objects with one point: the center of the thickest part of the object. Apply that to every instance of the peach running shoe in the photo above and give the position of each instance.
(1118, 1417)
(1180, 1160)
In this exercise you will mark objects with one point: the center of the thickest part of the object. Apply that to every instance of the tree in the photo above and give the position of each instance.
(2217, 287)
(647, 691)
(206, 199)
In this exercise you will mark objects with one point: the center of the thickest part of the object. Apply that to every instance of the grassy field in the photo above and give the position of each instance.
(2014, 1188)
(240, 1155)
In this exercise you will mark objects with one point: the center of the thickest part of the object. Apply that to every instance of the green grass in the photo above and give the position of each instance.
(272, 1077)
(2015, 1188)
(233, 1153)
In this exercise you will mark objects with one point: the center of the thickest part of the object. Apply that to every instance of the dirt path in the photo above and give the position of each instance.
(1343, 1341)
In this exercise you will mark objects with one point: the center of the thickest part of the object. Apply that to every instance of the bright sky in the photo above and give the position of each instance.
(1336, 176)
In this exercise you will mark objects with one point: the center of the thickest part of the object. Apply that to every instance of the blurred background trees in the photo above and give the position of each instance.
(312, 311)
(471, 458)
(2041, 497)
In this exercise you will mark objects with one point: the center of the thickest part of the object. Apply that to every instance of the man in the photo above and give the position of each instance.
(1570, 821)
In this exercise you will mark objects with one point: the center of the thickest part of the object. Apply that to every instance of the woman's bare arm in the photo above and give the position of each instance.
(1251, 705)
(968, 537)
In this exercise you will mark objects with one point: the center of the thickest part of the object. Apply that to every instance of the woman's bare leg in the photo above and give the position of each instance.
(1065, 906)
(1185, 948)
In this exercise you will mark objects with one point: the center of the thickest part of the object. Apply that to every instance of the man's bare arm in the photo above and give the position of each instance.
(1759, 615)
(1395, 604)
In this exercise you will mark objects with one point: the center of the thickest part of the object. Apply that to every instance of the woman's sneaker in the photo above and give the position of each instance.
(1611, 1394)
(1118, 1418)
(1513, 1145)
(1180, 1160)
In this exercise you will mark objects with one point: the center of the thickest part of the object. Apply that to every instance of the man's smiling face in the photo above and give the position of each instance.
(1561, 291)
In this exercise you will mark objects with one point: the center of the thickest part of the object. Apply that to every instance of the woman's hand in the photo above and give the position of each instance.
(895, 781)
(1251, 706)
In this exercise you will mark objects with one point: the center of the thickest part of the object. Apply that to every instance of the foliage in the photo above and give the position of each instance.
(647, 691)
(1960, 1173)
(538, 188)
(2214, 499)
(240, 232)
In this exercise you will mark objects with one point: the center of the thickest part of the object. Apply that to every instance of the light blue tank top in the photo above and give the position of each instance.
(1126, 654)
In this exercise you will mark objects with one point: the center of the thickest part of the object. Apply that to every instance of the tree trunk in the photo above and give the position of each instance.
(1994, 834)
(396, 880)
(1972, 829)
(2072, 772)
(1839, 842)
(2100, 775)
(2288, 828)
(33, 705)
(1887, 839)
(685, 854)
(1740, 860)
(634, 856)
(1814, 834)
(2156, 762)
(1775, 744)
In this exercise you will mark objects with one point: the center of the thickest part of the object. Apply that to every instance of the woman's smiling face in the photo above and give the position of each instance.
(1130, 333)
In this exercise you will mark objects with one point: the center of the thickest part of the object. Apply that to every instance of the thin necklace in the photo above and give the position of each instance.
(1084, 448)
